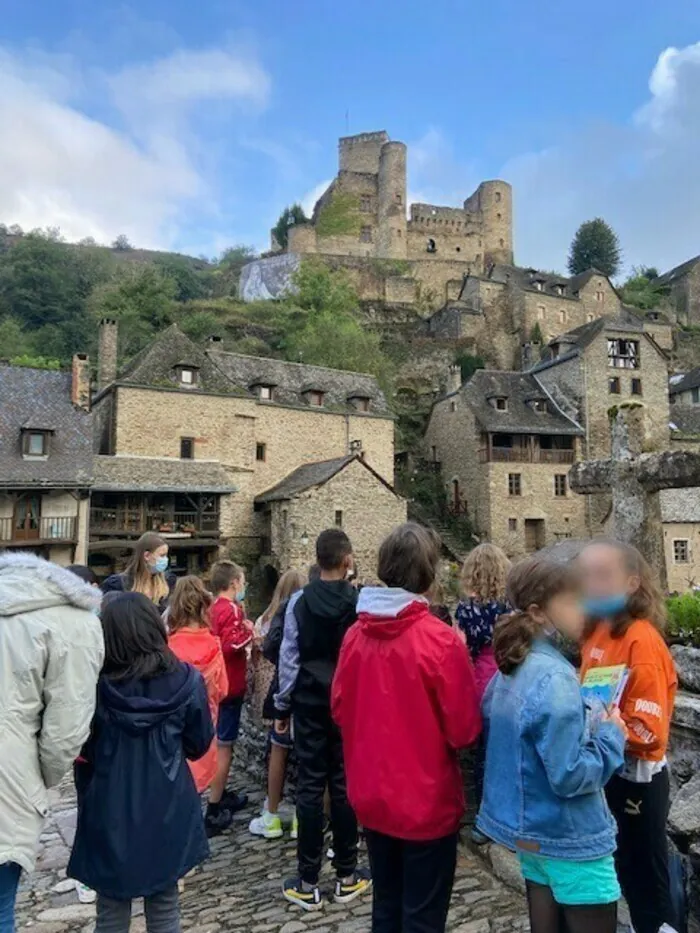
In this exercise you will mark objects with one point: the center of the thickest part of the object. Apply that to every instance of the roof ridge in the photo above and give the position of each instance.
(273, 359)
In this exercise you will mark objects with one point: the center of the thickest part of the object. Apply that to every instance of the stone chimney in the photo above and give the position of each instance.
(454, 379)
(107, 354)
(80, 382)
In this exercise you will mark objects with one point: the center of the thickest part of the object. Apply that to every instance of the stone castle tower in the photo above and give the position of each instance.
(363, 213)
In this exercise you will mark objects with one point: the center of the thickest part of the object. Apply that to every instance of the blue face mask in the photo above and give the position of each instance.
(604, 607)
(240, 597)
(160, 566)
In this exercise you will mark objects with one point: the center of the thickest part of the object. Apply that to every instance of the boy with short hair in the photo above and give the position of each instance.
(405, 699)
(315, 624)
(235, 633)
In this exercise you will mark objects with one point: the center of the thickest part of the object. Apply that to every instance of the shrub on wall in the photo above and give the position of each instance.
(339, 216)
(684, 618)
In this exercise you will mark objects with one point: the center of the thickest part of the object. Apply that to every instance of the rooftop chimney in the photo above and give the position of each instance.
(454, 379)
(107, 354)
(80, 382)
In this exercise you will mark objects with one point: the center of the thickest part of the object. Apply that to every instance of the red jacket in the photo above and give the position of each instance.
(229, 625)
(405, 699)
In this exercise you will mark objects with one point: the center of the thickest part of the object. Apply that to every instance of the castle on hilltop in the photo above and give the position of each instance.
(421, 255)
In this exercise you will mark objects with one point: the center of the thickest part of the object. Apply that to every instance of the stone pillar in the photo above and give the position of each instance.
(80, 382)
(107, 353)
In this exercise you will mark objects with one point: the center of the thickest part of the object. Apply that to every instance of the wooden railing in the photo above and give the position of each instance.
(46, 528)
(524, 455)
(137, 521)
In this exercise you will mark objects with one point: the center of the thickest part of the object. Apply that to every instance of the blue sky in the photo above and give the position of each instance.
(191, 125)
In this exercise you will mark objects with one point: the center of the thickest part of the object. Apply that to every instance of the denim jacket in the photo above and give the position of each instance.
(546, 763)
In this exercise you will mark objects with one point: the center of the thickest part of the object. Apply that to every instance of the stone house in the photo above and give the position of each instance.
(327, 494)
(504, 448)
(680, 514)
(46, 460)
(187, 436)
(683, 285)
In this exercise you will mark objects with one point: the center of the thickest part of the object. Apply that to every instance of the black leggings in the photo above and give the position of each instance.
(546, 916)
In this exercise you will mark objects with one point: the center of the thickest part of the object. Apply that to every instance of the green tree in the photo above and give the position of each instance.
(595, 246)
(228, 270)
(288, 218)
(190, 282)
(341, 342)
(321, 289)
(141, 299)
(13, 340)
(640, 289)
(122, 243)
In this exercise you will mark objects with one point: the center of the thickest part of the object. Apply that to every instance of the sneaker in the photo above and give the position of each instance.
(360, 884)
(293, 891)
(85, 894)
(268, 825)
(234, 802)
(330, 854)
(217, 822)
(287, 813)
(294, 831)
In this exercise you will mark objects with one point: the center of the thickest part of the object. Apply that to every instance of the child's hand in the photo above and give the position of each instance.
(614, 716)
(281, 726)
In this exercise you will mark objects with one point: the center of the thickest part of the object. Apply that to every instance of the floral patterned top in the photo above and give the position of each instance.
(477, 621)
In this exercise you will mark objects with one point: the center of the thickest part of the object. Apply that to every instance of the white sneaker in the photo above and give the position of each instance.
(286, 812)
(85, 895)
(268, 825)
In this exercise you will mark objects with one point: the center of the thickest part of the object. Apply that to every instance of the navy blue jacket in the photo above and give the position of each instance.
(140, 825)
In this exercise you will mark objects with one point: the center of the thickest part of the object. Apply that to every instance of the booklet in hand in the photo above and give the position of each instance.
(605, 684)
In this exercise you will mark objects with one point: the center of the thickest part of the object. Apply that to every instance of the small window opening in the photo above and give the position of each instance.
(187, 448)
(261, 452)
(339, 518)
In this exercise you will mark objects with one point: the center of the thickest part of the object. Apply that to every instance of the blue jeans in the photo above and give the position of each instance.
(9, 880)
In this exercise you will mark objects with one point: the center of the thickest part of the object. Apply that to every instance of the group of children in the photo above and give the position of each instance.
(377, 695)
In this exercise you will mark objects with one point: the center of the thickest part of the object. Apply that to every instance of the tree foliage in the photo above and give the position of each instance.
(122, 243)
(595, 246)
(641, 290)
(288, 218)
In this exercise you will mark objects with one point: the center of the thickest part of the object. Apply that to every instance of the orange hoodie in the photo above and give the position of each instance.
(201, 649)
(647, 703)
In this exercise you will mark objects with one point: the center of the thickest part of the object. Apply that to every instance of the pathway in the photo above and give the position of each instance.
(238, 890)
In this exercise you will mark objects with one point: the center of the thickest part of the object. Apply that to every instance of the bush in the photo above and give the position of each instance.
(684, 618)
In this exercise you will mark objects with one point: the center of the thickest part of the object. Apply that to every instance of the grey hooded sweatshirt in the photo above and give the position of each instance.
(51, 653)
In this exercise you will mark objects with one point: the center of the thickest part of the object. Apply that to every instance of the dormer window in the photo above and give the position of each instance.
(559, 289)
(187, 376)
(359, 402)
(35, 443)
(316, 398)
(265, 393)
(538, 285)
(500, 403)
(539, 405)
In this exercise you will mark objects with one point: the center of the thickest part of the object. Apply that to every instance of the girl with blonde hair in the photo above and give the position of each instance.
(269, 631)
(146, 572)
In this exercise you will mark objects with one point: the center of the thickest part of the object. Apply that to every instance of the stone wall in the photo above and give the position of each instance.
(681, 575)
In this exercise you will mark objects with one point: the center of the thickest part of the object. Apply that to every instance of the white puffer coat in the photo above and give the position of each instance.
(51, 653)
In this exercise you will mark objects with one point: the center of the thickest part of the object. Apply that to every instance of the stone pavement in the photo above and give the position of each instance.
(238, 890)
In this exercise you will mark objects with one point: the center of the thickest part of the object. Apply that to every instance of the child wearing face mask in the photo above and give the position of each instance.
(235, 632)
(146, 572)
(626, 622)
(548, 759)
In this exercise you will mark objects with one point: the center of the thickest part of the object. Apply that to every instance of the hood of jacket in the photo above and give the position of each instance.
(331, 599)
(138, 706)
(29, 583)
(196, 646)
(386, 612)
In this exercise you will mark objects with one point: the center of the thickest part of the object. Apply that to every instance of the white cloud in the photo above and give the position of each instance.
(61, 167)
(308, 201)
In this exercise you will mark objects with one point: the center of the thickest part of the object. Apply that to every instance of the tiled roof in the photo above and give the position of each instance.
(519, 417)
(573, 341)
(311, 475)
(685, 419)
(160, 474)
(690, 381)
(41, 399)
(677, 272)
(547, 283)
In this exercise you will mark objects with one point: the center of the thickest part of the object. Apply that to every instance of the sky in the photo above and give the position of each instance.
(190, 126)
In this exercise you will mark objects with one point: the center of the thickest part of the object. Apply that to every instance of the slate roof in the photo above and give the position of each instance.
(311, 475)
(685, 419)
(680, 505)
(677, 272)
(551, 284)
(690, 381)
(223, 373)
(627, 320)
(160, 474)
(41, 399)
(519, 418)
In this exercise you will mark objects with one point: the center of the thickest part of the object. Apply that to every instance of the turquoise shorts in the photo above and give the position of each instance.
(573, 884)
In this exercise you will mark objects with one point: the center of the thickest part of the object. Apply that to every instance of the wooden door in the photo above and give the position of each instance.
(534, 534)
(27, 518)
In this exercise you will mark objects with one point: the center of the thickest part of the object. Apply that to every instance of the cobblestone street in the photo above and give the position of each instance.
(238, 890)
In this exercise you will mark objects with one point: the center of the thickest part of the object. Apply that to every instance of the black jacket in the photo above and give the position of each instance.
(140, 825)
(271, 652)
(122, 583)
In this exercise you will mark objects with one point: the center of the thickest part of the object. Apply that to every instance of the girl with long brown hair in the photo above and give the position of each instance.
(626, 621)
(146, 572)
(547, 761)
(269, 632)
(192, 641)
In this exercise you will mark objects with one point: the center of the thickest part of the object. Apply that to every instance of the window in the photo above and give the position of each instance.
(540, 312)
(515, 484)
(398, 234)
(35, 444)
(365, 203)
(316, 398)
(398, 198)
(187, 448)
(361, 403)
(339, 519)
(562, 316)
(636, 387)
(260, 452)
(502, 242)
(433, 451)
(681, 551)
(453, 406)
(695, 396)
(599, 296)
(538, 285)
(498, 197)
(539, 405)
(614, 385)
(498, 216)
(366, 235)
(512, 525)
(266, 393)
(431, 247)
(623, 354)
(500, 404)
(590, 318)
(187, 377)
(560, 484)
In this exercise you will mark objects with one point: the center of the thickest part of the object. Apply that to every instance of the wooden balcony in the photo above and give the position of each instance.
(122, 521)
(45, 530)
(524, 455)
